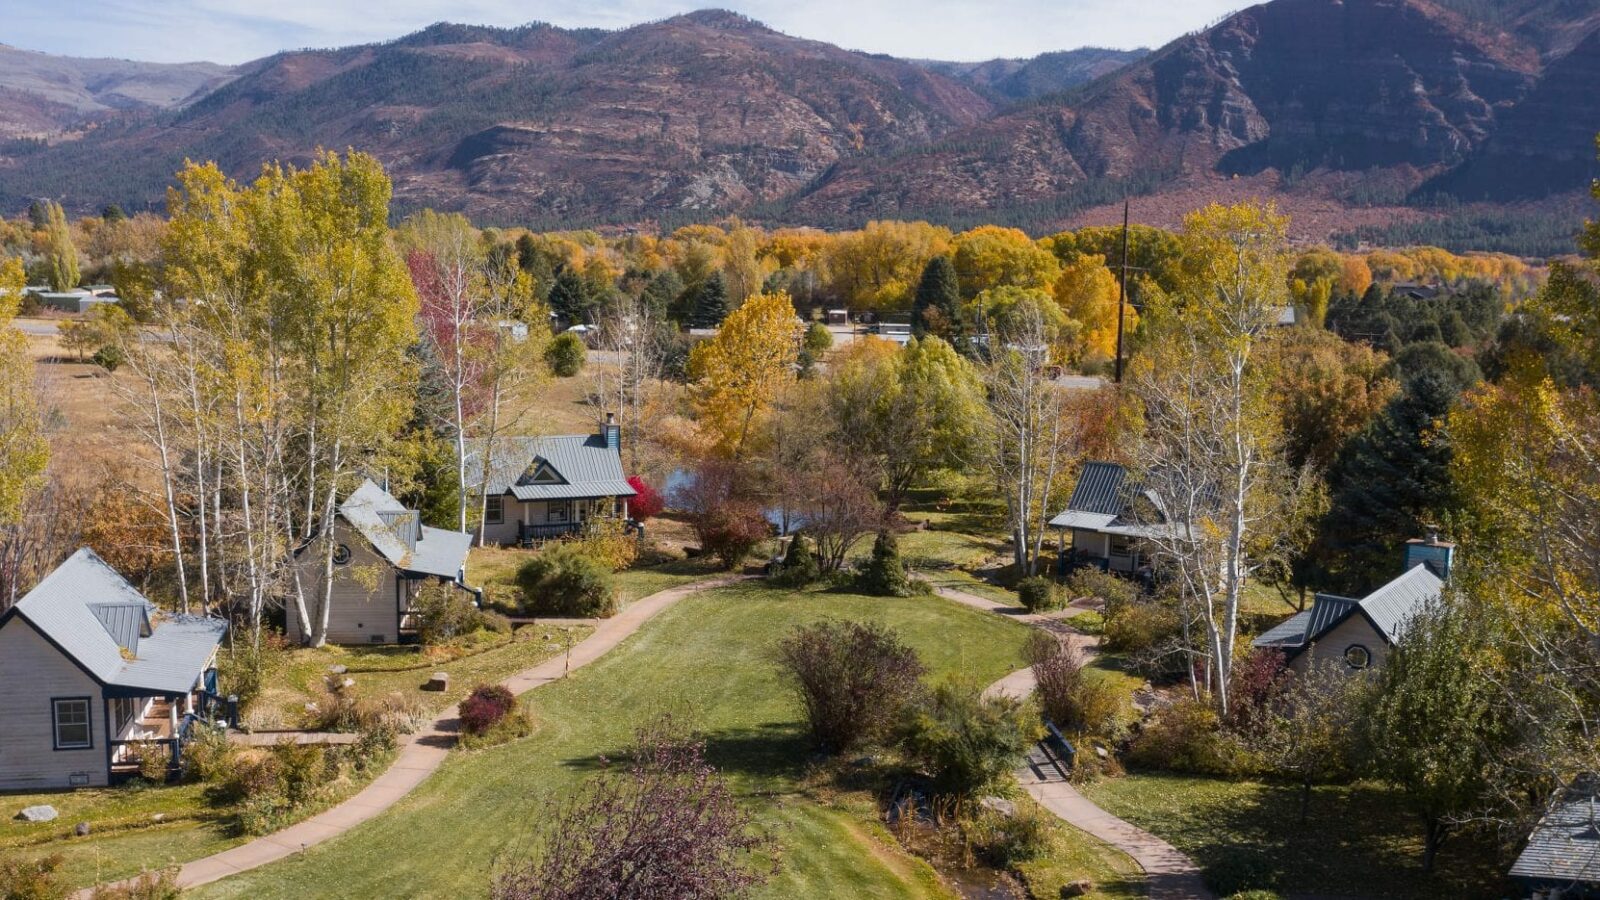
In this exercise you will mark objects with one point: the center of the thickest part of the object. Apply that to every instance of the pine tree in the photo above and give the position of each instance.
(661, 292)
(711, 305)
(1389, 483)
(568, 299)
(939, 291)
(885, 574)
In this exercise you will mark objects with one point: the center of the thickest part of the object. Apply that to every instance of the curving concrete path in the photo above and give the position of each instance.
(1170, 875)
(423, 752)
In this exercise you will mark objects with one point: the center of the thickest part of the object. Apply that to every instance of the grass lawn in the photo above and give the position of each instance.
(1076, 855)
(707, 660)
(1358, 840)
(498, 566)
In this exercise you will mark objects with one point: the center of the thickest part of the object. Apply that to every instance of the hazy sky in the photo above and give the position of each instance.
(237, 30)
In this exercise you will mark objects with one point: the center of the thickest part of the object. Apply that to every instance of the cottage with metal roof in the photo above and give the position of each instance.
(1361, 633)
(383, 557)
(541, 488)
(1108, 517)
(92, 674)
(1562, 857)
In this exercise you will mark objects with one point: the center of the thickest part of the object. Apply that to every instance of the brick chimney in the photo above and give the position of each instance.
(612, 432)
(1429, 551)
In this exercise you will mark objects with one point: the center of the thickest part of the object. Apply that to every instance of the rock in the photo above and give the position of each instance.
(158, 818)
(1101, 752)
(439, 682)
(82, 829)
(1000, 805)
(43, 813)
(337, 669)
(1077, 888)
(349, 683)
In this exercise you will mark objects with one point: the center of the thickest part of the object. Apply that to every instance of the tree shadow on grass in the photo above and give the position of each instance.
(1357, 841)
(767, 751)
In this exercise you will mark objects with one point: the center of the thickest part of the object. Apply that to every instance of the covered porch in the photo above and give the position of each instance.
(144, 723)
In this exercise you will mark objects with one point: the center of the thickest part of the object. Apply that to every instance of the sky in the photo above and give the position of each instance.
(233, 31)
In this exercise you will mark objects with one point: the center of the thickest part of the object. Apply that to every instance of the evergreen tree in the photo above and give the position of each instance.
(660, 293)
(568, 299)
(711, 304)
(1389, 483)
(939, 293)
(885, 573)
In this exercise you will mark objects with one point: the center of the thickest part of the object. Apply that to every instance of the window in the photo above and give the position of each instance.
(1357, 656)
(72, 723)
(341, 554)
(494, 511)
(557, 511)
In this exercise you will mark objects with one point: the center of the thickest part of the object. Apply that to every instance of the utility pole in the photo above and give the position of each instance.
(1122, 288)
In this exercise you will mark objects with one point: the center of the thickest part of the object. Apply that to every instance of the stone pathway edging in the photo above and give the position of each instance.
(424, 751)
(1169, 874)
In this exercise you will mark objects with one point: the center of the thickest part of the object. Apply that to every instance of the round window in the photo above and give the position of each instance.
(1357, 656)
(341, 554)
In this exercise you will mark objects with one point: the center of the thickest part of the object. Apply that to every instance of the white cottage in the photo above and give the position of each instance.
(382, 558)
(92, 673)
(541, 488)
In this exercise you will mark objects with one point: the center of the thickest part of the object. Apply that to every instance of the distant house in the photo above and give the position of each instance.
(382, 558)
(548, 487)
(1361, 633)
(90, 670)
(1562, 858)
(899, 332)
(1107, 520)
(79, 300)
(838, 317)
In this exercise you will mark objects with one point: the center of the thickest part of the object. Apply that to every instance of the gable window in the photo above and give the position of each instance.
(494, 510)
(72, 723)
(1357, 656)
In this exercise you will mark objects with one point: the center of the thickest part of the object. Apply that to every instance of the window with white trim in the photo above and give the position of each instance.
(72, 723)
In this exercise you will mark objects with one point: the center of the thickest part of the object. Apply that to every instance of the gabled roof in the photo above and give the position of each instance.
(400, 537)
(585, 467)
(94, 616)
(1564, 847)
(1388, 609)
(1103, 499)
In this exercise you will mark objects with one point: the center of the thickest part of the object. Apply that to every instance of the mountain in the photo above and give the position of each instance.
(706, 111)
(44, 94)
(1048, 73)
(1292, 85)
(1348, 112)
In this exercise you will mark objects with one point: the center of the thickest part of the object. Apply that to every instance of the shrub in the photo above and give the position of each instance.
(208, 756)
(1038, 594)
(485, 707)
(853, 678)
(608, 542)
(1004, 841)
(341, 708)
(110, 357)
(565, 355)
(646, 503)
(32, 879)
(445, 613)
(155, 761)
(818, 339)
(1068, 696)
(248, 666)
(885, 573)
(563, 580)
(966, 742)
(162, 885)
(1138, 626)
(1116, 591)
(800, 566)
(667, 826)
(725, 515)
(1186, 737)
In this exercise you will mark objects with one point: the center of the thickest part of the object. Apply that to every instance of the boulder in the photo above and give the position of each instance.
(82, 829)
(1077, 888)
(1000, 805)
(439, 682)
(337, 669)
(42, 813)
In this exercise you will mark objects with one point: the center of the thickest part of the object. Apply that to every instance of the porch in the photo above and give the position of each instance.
(162, 725)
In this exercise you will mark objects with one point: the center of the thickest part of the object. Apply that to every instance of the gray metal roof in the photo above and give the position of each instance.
(583, 465)
(87, 610)
(1099, 489)
(1564, 847)
(400, 537)
(1389, 608)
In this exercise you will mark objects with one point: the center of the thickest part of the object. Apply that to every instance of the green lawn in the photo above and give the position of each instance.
(1358, 840)
(1075, 855)
(707, 660)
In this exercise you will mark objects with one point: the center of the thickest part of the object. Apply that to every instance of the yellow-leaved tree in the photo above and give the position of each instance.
(23, 450)
(1087, 292)
(739, 373)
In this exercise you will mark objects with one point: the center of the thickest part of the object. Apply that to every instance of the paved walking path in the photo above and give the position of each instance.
(1169, 874)
(423, 752)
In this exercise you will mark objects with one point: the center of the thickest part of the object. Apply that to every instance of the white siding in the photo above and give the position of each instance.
(359, 614)
(32, 672)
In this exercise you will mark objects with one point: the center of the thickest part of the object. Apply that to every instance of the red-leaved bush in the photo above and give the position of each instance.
(647, 503)
(485, 707)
